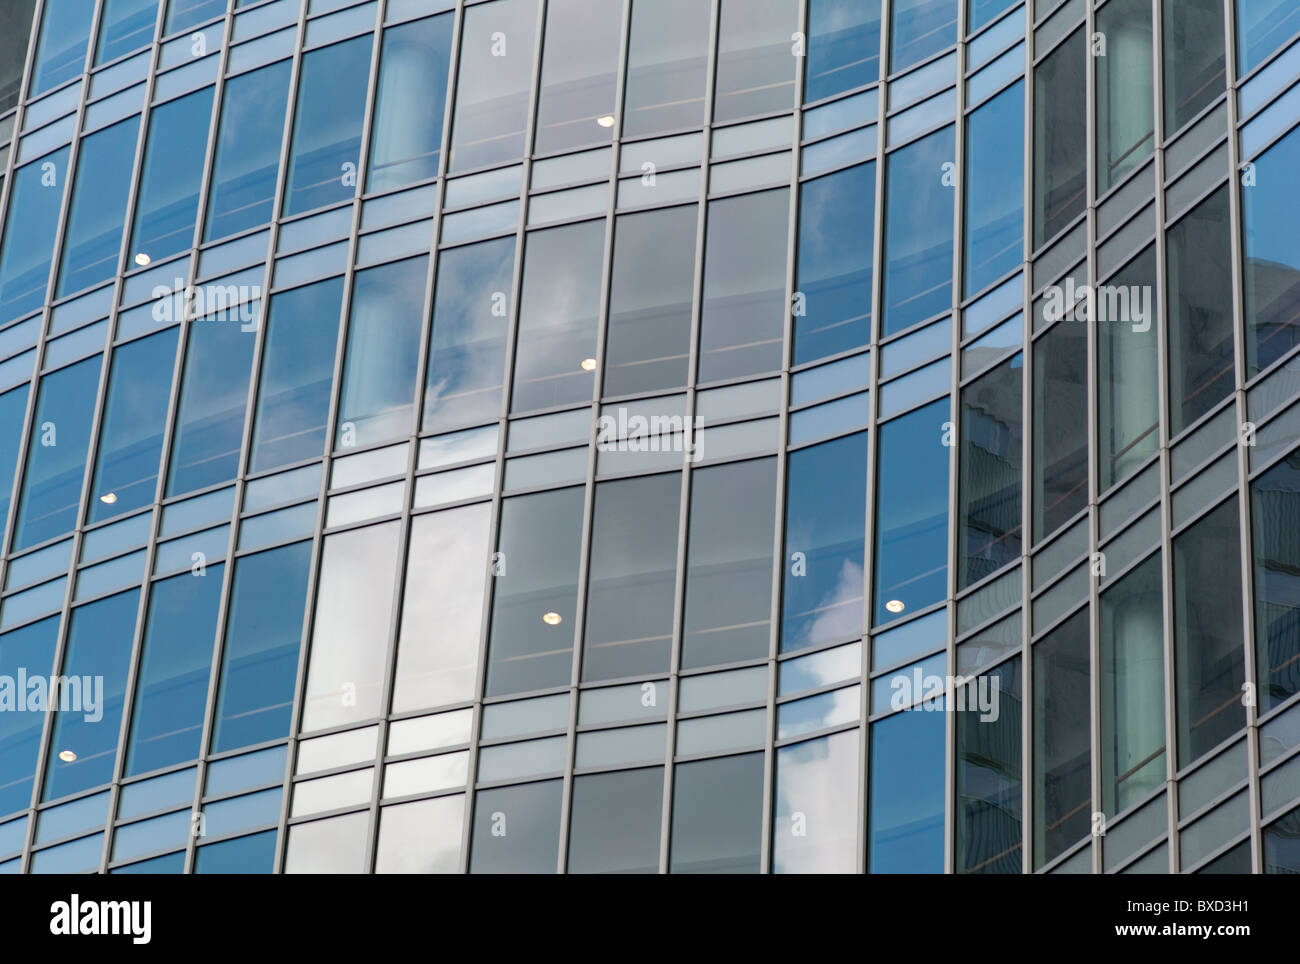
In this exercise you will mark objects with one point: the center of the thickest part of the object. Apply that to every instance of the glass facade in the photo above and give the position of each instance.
(649, 436)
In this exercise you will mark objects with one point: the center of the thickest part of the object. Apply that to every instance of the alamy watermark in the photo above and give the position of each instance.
(214, 302)
(36, 694)
(626, 432)
(1121, 304)
(931, 692)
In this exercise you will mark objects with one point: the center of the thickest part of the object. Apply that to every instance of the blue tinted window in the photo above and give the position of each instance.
(382, 353)
(988, 533)
(61, 50)
(920, 28)
(93, 238)
(84, 744)
(31, 650)
(297, 370)
(912, 512)
(56, 454)
(254, 854)
(843, 46)
(824, 532)
(995, 185)
(1262, 26)
(169, 182)
(182, 14)
(13, 409)
(467, 353)
(260, 662)
(409, 107)
(248, 150)
(166, 864)
(980, 12)
(918, 232)
(836, 213)
(1272, 254)
(125, 25)
(25, 251)
(907, 790)
(214, 390)
(172, 689)
(327, 130)
(130, 442)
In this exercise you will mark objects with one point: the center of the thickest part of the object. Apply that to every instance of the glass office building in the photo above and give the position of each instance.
(650, 436)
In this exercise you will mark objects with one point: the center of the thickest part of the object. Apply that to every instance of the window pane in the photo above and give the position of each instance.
(93, 238)
(918, 232)
(1272, 254)
(1126, 359)
(172, 690)
(254, 854)
(755, 63)
(13, 50)
(579, 63)
(517, 829)
(99, 647)
(447, 567)
(1275, 499)
(1132, 689)
(744, 285)
(1262, 27)
(29, 650)
(467, 353)
(13, 412)
(28, 241)
(535, 592)
(1209, 661)
(125, 25)
(555, 358)
(409, 106)
(210, 424)
(718, 816)
(1060, 426)
(907, 793)
(814, 828)
(61, 49)
(56, 454)
(1062, 755)
(912, 512)
(327, 127)
(293, 398)
(378, 398)
(135, 414)
(648, 345)
(248, 150)
(260, 662)
(497, 48)
(349, 644)
(1060, 138)
(983, 11)
(1193, 58)
(824, 532)
(988, 832)
(182, 14)
(729, 566)
(836, 214)
(334, 846)
(1200, 312)
(421, 837)
(988, 532)
(921, 28)
(1125, 91)
(843, 46)
(995, 187)
(169, 182)
(666, 66)
(629, 625)
(614, 828)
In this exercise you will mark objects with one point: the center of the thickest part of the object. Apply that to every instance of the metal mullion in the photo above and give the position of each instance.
(692, 378)
(1026, 583)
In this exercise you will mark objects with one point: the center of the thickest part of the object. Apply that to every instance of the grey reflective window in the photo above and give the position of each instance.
(421, 837)
(409, 106)
(248, 150)
(535, 592)
(717, 816)
(1060, 138)
(1272, 254)
(516, 829)
(988, 533)
(1275, 498)
(987, 837)
(667, 64)
(614, 826)
(1125, 90)
(93, 238)
(1129, 397)
(918, 232)
(579, 63)
(555, 354)
(1060, 416)
(729, 563)
(743, 316)
(1062, 787)
(629, 624)
(1209, 654)
(648, 343)
(815, 820)
(13, 50)
(756, 66)
(497, 48)
(1194, 58)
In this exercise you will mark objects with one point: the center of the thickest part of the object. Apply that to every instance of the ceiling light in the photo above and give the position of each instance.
(552, 618)
(67, 756)
(108, 498)
(589, 364)
(142, 259)
(606, 121)
(895, 605)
